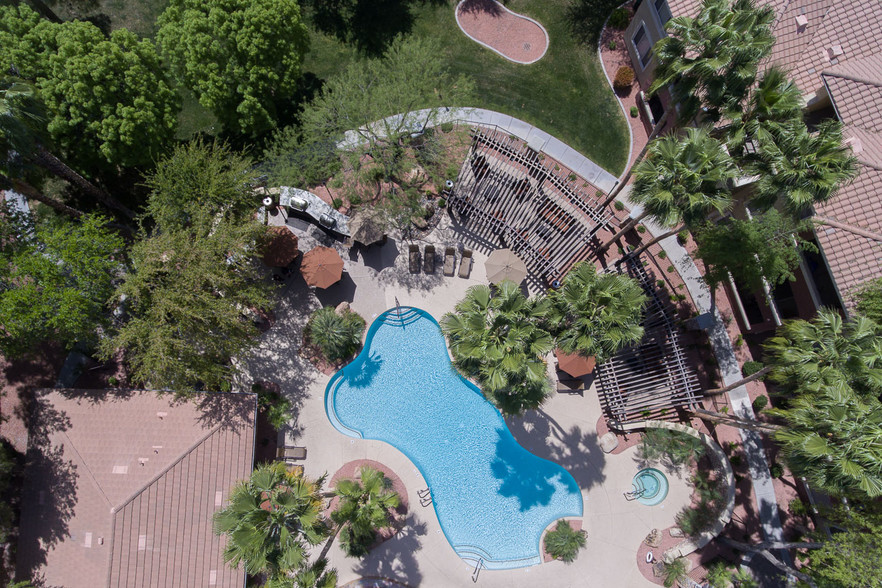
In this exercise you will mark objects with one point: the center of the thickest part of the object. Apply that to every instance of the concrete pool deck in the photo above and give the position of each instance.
(564, 431)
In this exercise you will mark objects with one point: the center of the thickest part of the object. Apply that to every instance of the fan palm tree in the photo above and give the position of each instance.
(833, 438)
(712, 60)
(801, 168)
(21, 120)
(496, 338)
(337, 335)
(563, 542)
(775, 101)
(364, 507)
(314, 575)
(596, 314)
(681, 181)
(268, 518)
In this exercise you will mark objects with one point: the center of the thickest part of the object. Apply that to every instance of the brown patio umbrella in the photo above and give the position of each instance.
(366, 226)
(574, 364)
(503, 264)
(281, 249)
(322, 267)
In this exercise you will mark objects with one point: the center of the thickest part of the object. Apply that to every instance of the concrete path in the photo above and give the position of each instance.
(730, 371)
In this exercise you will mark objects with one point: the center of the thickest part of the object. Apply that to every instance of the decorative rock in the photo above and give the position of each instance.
(654, 538)
(608, 442)
(419, 222)
(676, 532)
(342, 307)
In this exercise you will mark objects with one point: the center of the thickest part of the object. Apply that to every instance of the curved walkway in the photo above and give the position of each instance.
(513, 36)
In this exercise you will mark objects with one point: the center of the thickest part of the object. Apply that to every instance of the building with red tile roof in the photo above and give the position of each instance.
(120, 488)
(833, 51)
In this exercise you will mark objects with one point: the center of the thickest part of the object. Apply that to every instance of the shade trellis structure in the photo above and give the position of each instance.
(652, 379)
(509, 193)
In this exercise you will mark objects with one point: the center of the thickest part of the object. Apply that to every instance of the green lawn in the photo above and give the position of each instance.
(565, 93)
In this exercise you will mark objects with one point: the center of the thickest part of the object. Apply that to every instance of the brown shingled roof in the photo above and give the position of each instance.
(121, 488)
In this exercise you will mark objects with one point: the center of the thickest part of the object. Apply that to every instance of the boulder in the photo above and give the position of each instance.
(608, 442)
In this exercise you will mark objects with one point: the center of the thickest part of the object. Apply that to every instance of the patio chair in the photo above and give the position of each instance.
(291, 452)
(465, 265)
(414, 259)
(429, 259)
(449, 261)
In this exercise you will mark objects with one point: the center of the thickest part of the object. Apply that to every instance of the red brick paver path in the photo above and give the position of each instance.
(513, 36)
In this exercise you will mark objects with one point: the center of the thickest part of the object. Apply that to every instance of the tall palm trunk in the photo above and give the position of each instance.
(655, 131)
(734, 421)
(629, 224)
(329, 542)
(754, 376)
(47, 160)
(32, 192)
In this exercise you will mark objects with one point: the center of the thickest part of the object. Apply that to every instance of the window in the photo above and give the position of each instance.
(663, 10)
(642, 46)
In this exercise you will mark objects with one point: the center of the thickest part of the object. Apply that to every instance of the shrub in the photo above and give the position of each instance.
(719, 575)
(660, 283)
(276, 406)
(112, 381)
(442, 203)
(634, 112)
(683, 236)
(694, 520)
(674, 571)
(618, 205)
(572, 177)
(739, 341)
(751, 367)
(336, 203)
(612, 45)
(641, 229)
(624, 78)
(662, 254)
(564, 542)
(670, 269)
(678, 447)
(777, 470)
(797, 507)
(619, 18)
(355, 199)
(336, 335)
(760, 402)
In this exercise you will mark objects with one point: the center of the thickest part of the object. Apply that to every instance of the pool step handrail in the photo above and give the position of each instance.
(477, 571)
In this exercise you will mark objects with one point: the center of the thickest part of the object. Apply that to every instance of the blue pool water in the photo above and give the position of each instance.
(652, 485)
(493, 497)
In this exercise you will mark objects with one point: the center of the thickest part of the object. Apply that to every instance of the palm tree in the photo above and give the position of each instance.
(496, 338)
(674, 571)
(596, 314)
(775, 100)
(364, 507)
(314, 575)
(337, 335)
(268, 518)
(801, 168)
(564, 542)
(680, 182)
(832, 438)
(21, 119)
(712, 60)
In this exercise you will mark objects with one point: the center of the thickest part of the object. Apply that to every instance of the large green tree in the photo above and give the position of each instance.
(107, 99)
(364, 507)
(596, 314)
(495, 337)
(269, 520)
(868, 300)
(198, 179)
(241, 58)
(852, 557)
(55, 280)
(711, 60)
(765, 247)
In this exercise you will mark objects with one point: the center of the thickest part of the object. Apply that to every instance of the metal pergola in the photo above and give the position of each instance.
(652, 379)
(507, 192)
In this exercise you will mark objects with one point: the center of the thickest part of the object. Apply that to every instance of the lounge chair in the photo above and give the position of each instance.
(414, 260)
(449, 261)
(465, 265)
(429, 259)
(290, 452)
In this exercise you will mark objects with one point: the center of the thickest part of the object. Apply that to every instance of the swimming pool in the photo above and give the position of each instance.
(493, 497)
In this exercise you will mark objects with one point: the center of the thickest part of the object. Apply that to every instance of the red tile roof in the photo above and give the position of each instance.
(121, 488)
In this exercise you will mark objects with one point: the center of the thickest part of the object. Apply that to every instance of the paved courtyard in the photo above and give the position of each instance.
(564, 431)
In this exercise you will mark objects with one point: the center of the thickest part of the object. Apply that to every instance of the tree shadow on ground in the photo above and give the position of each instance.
(576, 451)
(369, 25)
(396, 558)
(586, 17)
(342, 291)
(489, 7)
(50, 489)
